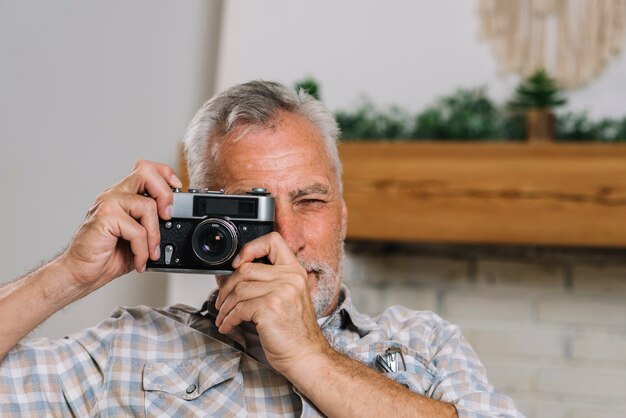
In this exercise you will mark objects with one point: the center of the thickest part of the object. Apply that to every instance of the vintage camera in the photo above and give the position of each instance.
(208, 229)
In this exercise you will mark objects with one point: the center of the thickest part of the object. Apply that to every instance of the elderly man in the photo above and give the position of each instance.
(275, 339)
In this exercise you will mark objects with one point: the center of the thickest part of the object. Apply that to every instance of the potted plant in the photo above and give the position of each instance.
(537, 95)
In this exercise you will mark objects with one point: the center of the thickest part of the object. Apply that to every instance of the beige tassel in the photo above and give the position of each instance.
(573, 39)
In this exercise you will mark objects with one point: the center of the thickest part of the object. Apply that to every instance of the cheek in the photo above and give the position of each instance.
(323, 233)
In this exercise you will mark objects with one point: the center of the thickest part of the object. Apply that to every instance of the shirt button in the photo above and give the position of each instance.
(191, 389)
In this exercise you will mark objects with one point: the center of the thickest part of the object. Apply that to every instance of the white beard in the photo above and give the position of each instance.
(323, 297)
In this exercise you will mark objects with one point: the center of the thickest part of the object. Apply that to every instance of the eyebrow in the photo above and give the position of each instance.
(316, 188)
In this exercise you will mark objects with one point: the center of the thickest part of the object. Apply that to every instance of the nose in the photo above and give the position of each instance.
(289, 226)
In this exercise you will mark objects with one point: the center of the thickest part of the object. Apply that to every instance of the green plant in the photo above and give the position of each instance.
(469, 114)
(309, 85)
(513, 125)
(578, 126)
(369, 122)
(465, 114)
(539, 90)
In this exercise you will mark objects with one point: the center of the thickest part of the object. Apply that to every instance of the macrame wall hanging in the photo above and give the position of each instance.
(572, 39)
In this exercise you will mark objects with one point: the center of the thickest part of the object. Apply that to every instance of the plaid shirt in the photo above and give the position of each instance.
(172, 362)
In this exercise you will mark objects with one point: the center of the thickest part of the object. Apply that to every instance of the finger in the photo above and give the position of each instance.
(141, 208)
(156, 180)
(165, 170)
(123, 226)
(247, 311)
(242, 292)
(271, 245)
(231, 281)
(144, 210)
(258, 272)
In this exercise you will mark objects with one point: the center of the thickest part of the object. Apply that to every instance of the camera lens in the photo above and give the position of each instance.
(214, 241)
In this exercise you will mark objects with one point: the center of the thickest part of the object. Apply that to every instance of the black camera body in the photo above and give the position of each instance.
(208, 229)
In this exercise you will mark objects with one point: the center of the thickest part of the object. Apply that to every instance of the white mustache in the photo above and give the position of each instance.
(315, 267)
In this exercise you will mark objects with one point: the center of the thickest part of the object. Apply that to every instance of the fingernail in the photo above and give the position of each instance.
(143, 268)
(168, 211)
(157, 252)
(236, 261)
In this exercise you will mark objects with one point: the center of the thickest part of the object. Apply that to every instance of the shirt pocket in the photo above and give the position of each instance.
(414, 371)
(208, 386)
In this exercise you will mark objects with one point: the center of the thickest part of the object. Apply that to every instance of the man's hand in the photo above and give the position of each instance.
(276, 298)
(121, 230)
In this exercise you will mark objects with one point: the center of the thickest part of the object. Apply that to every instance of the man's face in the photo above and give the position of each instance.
(291, 162)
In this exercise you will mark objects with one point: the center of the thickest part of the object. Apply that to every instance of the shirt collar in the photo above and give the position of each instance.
(346, 316)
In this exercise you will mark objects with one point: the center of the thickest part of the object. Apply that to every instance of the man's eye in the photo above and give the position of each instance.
(310, 202)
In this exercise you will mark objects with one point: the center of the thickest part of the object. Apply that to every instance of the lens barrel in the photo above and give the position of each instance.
(214, 241)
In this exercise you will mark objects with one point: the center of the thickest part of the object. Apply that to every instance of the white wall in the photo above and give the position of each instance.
(86, 89)
(548, 323)
(397, 52)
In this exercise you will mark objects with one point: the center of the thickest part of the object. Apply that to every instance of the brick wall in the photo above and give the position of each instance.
(549, 324)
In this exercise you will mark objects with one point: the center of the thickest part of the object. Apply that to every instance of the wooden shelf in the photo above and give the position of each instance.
(494, 193)
(484, 193)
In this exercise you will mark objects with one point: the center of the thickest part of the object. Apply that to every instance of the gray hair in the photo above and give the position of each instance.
(252, 105)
